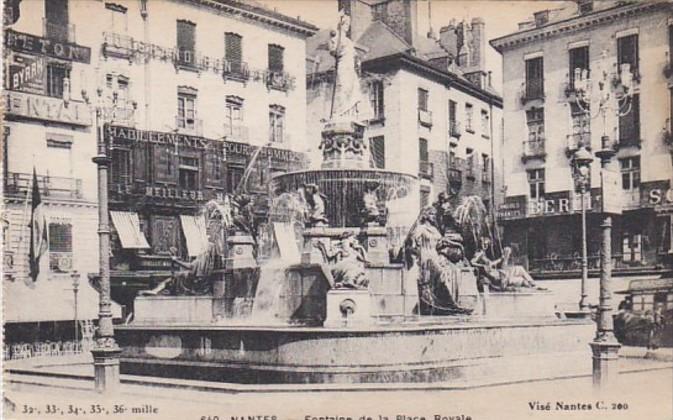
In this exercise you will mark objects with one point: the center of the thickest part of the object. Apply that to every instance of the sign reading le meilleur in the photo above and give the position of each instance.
(27, 43)
(46, 108)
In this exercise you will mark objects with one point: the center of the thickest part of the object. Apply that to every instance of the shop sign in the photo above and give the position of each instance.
(174, 193)
(513, 208)
(121, 134)
(46, 108)
(560, 203)
(22, 42)
(25, 73)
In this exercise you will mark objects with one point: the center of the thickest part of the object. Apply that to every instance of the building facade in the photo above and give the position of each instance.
(546, 122)
(197, 99)
(435, 115)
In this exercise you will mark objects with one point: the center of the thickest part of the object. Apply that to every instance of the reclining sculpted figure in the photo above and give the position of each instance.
(347, 262)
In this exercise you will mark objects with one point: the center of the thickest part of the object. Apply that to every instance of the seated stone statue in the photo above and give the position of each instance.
(487, 269)
(315, 203)
(347, 262)
(374, 213)
(514, 275)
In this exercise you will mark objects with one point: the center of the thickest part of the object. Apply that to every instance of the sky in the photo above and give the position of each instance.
(501, 17)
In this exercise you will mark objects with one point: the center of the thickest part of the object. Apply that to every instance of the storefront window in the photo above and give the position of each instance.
(189, 173)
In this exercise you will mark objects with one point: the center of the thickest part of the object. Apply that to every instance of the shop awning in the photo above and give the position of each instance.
(127, 225)
(51, 299)
(194, 229)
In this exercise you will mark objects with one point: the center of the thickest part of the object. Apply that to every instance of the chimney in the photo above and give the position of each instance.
(447, 37)
(401, 16)
(478, 28)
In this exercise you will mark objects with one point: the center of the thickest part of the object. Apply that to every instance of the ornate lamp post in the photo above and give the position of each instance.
(105, 351)
(75, 289)
(582, 161)
(612, 97)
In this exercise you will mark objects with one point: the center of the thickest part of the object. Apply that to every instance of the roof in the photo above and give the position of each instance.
(255, 10)
(381, 41)
(568, 20)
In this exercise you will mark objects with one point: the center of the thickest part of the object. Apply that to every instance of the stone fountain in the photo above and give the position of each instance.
(345, 312)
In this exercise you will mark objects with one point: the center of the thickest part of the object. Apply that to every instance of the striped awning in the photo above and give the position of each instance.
(127, 225)
(196, 237)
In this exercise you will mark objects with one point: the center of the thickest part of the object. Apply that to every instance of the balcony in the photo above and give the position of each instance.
(576, 141)
(50, 186)
(426, 170)
(532, 90)
(58, 31)
(235, 70)
(279, 80)
(455, 171)
(117, 46)
(236, 132)
(425, 117)
(191, 126)
(187, 60)
(533, 149)
(455, 129)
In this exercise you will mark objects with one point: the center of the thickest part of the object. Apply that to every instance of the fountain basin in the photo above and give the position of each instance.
(442, 349)
(346, 188)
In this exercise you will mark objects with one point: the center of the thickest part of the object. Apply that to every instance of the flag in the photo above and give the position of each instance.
(38, 231)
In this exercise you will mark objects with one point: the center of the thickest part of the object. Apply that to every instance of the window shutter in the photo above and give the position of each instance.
(627, 52)
(423, 150)
(140, 163)
(233, 48)
(378, 151)
(276, 58)
(186, 35)
(164, 161)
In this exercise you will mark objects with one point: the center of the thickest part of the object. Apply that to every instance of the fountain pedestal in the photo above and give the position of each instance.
(376, 244)
(343, 145)
(234, 292)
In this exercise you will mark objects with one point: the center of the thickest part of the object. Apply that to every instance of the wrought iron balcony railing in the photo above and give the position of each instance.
(50, 186)
(455, 129)
(279, 80)
(534, 149)
(58, 31)
(532, 89)
(425, 117)
(187, 59)
(576, 141)
(426, 169)
(117, 45)
(236, 70)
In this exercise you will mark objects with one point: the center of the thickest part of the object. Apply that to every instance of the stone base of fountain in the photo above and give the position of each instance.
(456, 350)
(348, 308)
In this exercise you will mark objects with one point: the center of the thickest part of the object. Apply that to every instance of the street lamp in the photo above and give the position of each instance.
(75, 289)
(612, 96)
(106, 351)
(582, 161)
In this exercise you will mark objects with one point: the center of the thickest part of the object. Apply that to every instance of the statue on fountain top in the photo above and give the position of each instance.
(348, 101)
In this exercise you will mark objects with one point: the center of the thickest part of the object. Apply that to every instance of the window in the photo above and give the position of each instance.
(234, 177)
(578, 63)
(469, 116)
(121, 166)
(422, 99)
(425, 197)
(58, 78)
(233, 117)
(377, 148)
(233, 53)
(186, 118)
(629, 124)
(276, 123)
(56, 19)
(627, 53)
(632, 246)
(585, 6)
(536, 183)
(534, 78)
(188, 173)
(469, 162)
(276, 58)
(630, 169)
(535, 122)
(60, 246)
(423, 150)
(486, 164)
(186, 42)
(581, 127)
(376, 98)
(452, 114)
(485, 123)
